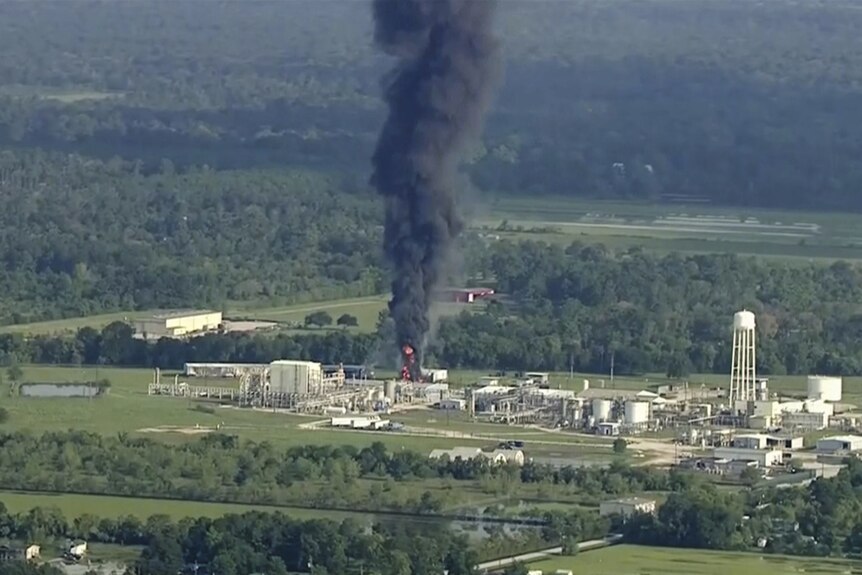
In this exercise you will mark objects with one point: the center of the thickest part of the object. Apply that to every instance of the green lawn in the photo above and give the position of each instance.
(637, 560)
(72, 324)
(112, 507)
(365, 309)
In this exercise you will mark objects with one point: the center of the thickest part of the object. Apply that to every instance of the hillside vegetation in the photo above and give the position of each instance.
(740, 102)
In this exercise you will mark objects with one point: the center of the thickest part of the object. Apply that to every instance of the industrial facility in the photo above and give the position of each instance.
(176, 324)
(731, 429)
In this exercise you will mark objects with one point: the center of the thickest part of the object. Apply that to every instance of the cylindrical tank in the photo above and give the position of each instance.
(389, 390)
(825, 388)
(743, 320)
(602, 409)
(636, 412)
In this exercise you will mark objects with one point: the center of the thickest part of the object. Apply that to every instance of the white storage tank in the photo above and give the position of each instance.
(300, 377)
(602, 409)
(389, 390)
(825, 388)
(636, 412)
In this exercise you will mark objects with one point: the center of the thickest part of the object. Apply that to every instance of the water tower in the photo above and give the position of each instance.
(743, 375)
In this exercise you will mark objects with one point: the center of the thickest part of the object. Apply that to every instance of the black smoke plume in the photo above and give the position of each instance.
(437, 96)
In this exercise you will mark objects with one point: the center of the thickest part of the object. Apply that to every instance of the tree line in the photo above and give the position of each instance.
(580, 307)
(221, 468)
(253, 542)
(823, 518)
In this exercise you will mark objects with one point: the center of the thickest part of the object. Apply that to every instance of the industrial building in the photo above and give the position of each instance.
(452, 404)
(466, 295)
(768, 441)
(732, 468)
(627, 506)
(839, 444)
(359, 422)
(763, 457)
(176, 324)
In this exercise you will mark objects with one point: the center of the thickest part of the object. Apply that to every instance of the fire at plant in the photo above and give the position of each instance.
(410, 371)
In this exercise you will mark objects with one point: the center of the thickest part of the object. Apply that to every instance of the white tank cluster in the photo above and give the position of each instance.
(825, 388)
(602, 409)
(636, 412)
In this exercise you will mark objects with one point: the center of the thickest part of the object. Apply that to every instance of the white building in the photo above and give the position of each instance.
(627, 506)
(498, 456)
(359, 422)
(78, 549)
(177, 324)
(751, 441)
(609, 428)
(763, 457)
(768, 441)
(435, 375)
(839, 444)
(453, 404)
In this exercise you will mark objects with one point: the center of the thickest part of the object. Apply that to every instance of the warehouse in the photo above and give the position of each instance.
(839, 444)
(763, 457)
(177, 324)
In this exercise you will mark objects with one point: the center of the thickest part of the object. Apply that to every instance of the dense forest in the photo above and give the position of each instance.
(253, 542)
(79, 236)
(822, 518)
(740, 102)
(565, 308)
(168, 154)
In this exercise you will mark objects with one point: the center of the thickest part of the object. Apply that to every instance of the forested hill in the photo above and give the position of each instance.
(736, 101)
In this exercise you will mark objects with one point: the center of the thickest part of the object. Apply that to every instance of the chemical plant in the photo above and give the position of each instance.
(698, 416)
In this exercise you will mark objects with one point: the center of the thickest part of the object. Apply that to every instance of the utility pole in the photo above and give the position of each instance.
(613, 385)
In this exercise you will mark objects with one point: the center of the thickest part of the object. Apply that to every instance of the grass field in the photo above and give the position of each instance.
(128, 408)
(365, 309)
(112, 507)
(636, 560)
(667, 228)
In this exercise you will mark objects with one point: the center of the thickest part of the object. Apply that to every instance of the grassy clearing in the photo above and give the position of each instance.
(665, 228)
(365, 309)
(637, 560)
(73, 505)
(72, 324)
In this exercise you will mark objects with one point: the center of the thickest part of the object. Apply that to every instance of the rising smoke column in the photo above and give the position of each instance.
(437, 96)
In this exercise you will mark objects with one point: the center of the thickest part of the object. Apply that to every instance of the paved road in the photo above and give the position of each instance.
(498, 564)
